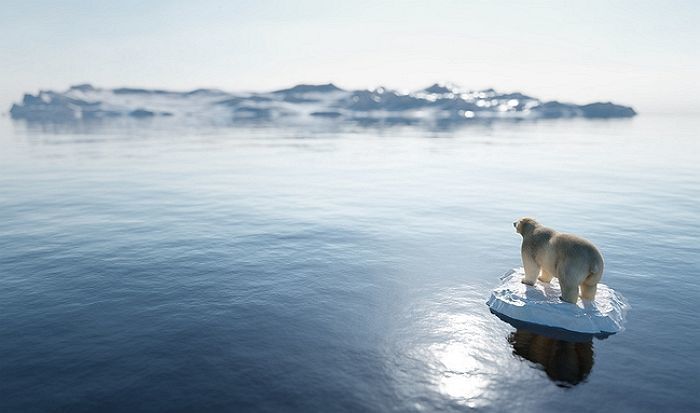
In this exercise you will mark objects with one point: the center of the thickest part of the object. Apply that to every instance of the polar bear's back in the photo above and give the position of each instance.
(577, 251)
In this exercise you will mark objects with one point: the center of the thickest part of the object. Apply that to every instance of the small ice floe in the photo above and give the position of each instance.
(541, 305)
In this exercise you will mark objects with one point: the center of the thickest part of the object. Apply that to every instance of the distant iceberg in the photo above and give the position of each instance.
(304, 102)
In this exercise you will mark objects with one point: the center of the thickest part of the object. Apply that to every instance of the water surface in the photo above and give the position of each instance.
(149, 267)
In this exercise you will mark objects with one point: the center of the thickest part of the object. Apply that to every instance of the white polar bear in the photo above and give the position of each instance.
(573, 260)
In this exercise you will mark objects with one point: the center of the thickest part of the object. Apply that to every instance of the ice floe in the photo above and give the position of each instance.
(541, 305)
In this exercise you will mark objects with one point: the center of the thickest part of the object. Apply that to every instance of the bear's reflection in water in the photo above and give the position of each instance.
(566, 363)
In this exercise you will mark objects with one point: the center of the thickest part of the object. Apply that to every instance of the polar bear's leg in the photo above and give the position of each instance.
(589, 287)
(588, 291)
(569, 291)
(568, 280)
(545, 277)
(532, 270)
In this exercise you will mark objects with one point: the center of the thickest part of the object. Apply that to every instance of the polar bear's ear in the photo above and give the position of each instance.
(526, 225)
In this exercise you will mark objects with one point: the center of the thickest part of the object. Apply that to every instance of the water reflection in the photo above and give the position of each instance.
(100, 126)
(450, 356)
(462, 372)
(566, 356)
(567, 363)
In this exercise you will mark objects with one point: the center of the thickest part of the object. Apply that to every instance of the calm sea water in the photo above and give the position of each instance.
(149, 267)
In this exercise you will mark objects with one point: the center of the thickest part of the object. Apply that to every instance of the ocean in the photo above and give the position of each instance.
(159, 266)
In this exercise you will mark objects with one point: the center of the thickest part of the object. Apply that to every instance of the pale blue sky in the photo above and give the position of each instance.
(642, 53)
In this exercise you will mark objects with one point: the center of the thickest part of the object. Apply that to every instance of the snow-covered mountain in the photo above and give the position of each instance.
(439, 102)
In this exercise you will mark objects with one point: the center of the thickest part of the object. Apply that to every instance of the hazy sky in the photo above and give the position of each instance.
(642, 53)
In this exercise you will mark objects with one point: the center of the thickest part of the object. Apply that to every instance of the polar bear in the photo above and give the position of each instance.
(573, 260)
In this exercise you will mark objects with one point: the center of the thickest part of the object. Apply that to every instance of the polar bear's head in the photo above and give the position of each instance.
(525, 225)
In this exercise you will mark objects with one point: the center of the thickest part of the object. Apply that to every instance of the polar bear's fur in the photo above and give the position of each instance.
(573, 260)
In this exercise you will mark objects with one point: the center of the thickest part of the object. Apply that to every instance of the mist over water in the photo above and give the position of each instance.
(150, 266)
